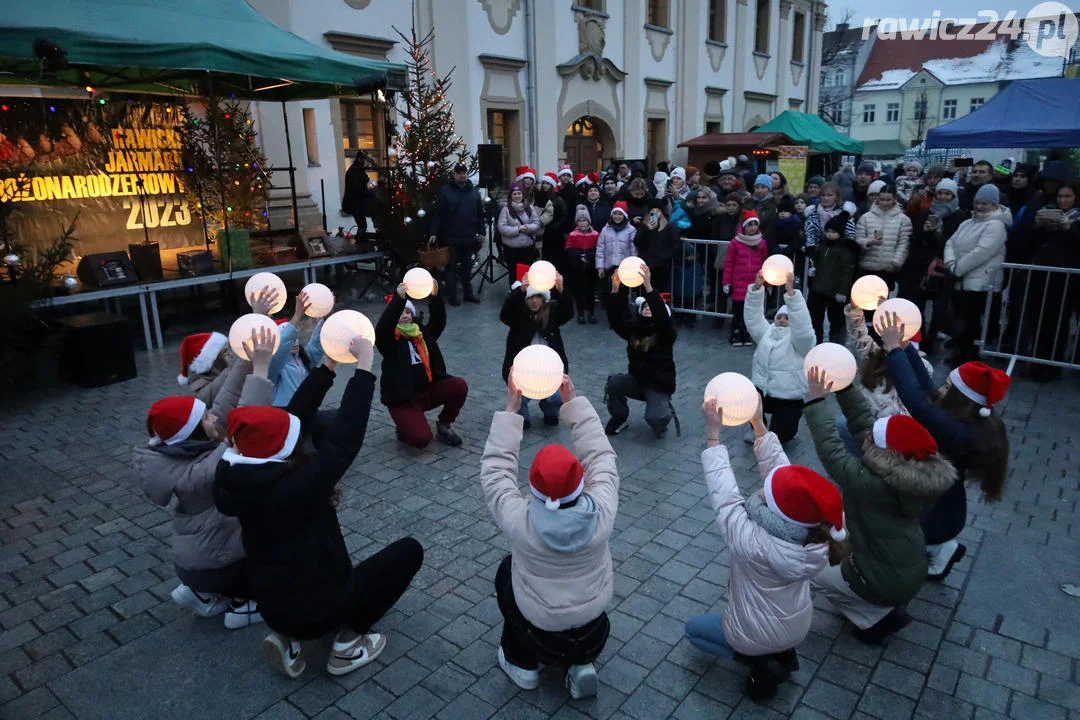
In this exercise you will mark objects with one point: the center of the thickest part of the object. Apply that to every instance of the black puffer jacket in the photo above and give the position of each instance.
(299, 566)
(398, 383)
(458, 215)
(522, 322)
(650, 342)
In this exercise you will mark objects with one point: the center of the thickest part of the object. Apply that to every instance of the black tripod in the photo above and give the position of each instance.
(487, 269)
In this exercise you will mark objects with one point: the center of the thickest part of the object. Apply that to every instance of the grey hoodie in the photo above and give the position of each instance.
(567, 529)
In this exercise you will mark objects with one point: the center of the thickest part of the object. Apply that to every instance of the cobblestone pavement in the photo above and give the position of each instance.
(87, 628)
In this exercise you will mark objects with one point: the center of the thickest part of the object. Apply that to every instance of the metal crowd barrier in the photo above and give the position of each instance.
(1038, 320)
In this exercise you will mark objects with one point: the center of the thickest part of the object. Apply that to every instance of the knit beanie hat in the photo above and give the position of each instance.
(876, 186)
(905, 436)
(838, 223)
(260, 435)
(802, 496)
(867, 167)
(782, 310)
(816, 180)
(948, 184)
(171, 420)
(639, 302)
(786, 204)
(981, 384)
(582, 213)
(711, 168)
(988, 193)
(763, 179)
(198, 353)
(556, 477)
(679, 173)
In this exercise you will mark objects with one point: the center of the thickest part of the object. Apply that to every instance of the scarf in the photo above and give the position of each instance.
(412, 332)
(758, 511)
(765, 199)
(749, 240)
(617, 226)
(824, 214)
(945, 209)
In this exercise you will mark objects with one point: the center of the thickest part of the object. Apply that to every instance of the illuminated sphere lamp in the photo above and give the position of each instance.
(630, 271)
(339, 330)
(775, 269)
(538, 371)
(835, 360)
(867, 292)
(909, 314)
(320, 299)
(735, 395)
(418, 283)
(258, 281)
(542, 276)
(241, 330)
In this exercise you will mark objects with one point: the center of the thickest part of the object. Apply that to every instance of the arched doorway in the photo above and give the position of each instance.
(585, 142)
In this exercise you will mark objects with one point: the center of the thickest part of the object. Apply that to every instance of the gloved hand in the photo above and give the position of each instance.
(727, 289)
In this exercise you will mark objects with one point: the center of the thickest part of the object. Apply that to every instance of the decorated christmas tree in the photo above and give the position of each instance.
(425, 149)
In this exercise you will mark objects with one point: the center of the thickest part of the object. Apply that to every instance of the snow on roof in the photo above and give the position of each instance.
(996, 63)
(889, 80)
(976, 69)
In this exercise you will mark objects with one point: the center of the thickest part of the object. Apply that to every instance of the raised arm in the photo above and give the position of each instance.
(511, 307)
(499, 473)
(754, 313)
(564, 306)
(596, 457)
(746, 539)
(314, 348)
(384, 329)
(861, 341)
(769, 453)
(437, 320)
(842, 467)
(860, 416)
(618, 313)
(951, 435)
(803, 338)
(283, 352)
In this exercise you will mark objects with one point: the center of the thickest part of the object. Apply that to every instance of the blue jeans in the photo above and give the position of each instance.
(706, 633)
(549, 406)
(849, 442)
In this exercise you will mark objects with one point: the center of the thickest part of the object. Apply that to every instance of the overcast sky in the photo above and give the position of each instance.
(871, 9)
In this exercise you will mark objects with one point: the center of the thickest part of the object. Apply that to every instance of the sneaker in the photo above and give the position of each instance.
(283, 655)
(551, 420)
(765, 678)
(524, 679)
(447, 435)
(206, 605)
(581, 681)
(348, 656)
(1071, 589)
(614, 427)
(580, 319)
(943, 559)
(242, 614)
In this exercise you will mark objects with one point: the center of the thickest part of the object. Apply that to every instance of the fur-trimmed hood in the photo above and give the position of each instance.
(923, 478)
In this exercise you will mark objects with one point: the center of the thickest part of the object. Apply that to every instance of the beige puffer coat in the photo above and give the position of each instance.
(895, 227)
(975, 252)
(769, 607)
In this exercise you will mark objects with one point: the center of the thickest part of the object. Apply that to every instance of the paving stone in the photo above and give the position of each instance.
(1023, 631)
(1044, 661)
(365, 701)
(996, 646)
(1059, 692)
(33, 704)
(45, 645)
(833, 700)
(899, 680)
(698, 707)
(401, 675)
(467, 705)
(41, 672)
(884, 704)
(645, 703)
(1013, 676)
(982, 693)
(937, 705)
(943, 679)
(1025, 707)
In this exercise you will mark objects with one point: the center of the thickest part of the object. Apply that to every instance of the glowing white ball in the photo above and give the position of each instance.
(421, 212)
(736, 395)
(321, 300)
(542, 275)
(408, 219)
(775, 269)
(240, 332)
(538, 371)
(630, 271)
(418, 283)
(339, 330)
(258, 281)
(867, 292)
(11, 259)
(836, 361)
(71, 282)
(909, 314)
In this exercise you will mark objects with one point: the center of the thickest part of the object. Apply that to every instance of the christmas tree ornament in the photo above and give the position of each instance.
(71, 282)
(736, 395)
(339, 330)
(392, 152)
(408, 219)
(11, 259)
(431, 163)
(421, 212)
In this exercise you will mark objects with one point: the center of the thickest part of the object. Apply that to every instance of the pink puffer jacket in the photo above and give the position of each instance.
(741, 266)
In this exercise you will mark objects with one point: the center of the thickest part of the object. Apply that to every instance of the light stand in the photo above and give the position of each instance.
(487, 269)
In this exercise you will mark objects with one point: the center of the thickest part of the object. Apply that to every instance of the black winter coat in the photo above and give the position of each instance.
(299, 567)
(397, 384)
(650, 342)
(357, 199)
(516, 315)
(599, 211)
(458, 216)
(657, 248)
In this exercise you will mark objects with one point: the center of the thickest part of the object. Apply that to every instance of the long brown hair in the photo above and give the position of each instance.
(989, 455)
(838, 549)
(875, 370)
(301, 457)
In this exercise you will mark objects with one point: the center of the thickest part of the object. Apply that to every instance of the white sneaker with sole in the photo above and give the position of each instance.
(242, 614)
(354, 654)
(283, 655)
(581, 681)
(205, 605)
(942, 558)
(524, 679)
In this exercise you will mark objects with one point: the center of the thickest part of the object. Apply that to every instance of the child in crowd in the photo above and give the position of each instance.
(908, 183)
(786, 235)
(616, 241)
(896, 481)
(580, 263)
(186, 444)
(835, 261)
(534, 318)
(292, 362)
(778, 358)
(745, 256)
(688, 283)
(204, 358)
(556, 582)
(284, 497)
(780, 536)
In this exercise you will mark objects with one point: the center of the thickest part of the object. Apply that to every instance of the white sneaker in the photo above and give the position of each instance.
(242, 614)
(206, 605)
(283, 655)
(942, 558)
(524, 679)
(354, 654)
(581, 681)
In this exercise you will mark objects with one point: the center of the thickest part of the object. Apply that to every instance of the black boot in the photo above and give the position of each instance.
(789, 660)
(765, 677)
(893, 622)
(581, 319)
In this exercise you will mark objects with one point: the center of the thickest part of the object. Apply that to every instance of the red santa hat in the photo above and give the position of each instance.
(622, 207)
(524, 171)
(556, 477)
(803, 497)
(172, 420)
(916, 339)
(594, 178)
(281, 321)
(981, 384)
(581, 179)
(519, 272)
(565, 170)
(260, 435)
(551, 178)
(747, 217)
(904, 435)
(198, 353)
(408, 303)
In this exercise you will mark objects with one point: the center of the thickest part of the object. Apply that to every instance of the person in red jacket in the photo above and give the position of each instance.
(745, 256)
(579, 259)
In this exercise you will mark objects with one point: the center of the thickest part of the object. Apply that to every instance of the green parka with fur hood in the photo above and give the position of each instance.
(884, 497)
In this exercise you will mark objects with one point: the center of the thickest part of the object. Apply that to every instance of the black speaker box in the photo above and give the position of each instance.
(490, 160)
(97, 350)
(105, 270)
(146, 257)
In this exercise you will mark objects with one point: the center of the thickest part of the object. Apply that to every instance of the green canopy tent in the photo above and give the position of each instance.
(812, 131)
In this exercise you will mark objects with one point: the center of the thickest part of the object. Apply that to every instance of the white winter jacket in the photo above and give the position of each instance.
(976, 251)
(778, 358)
(895, 227)
(769, 608)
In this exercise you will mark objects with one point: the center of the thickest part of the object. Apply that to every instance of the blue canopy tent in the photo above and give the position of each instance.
(1026, 114)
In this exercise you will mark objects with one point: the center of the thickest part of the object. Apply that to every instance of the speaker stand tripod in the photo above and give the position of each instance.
(490, 266)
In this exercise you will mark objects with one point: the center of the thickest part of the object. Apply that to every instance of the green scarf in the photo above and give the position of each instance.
(412, 331)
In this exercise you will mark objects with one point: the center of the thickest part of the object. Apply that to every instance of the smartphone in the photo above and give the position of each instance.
(963, 162)
(654, 215)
